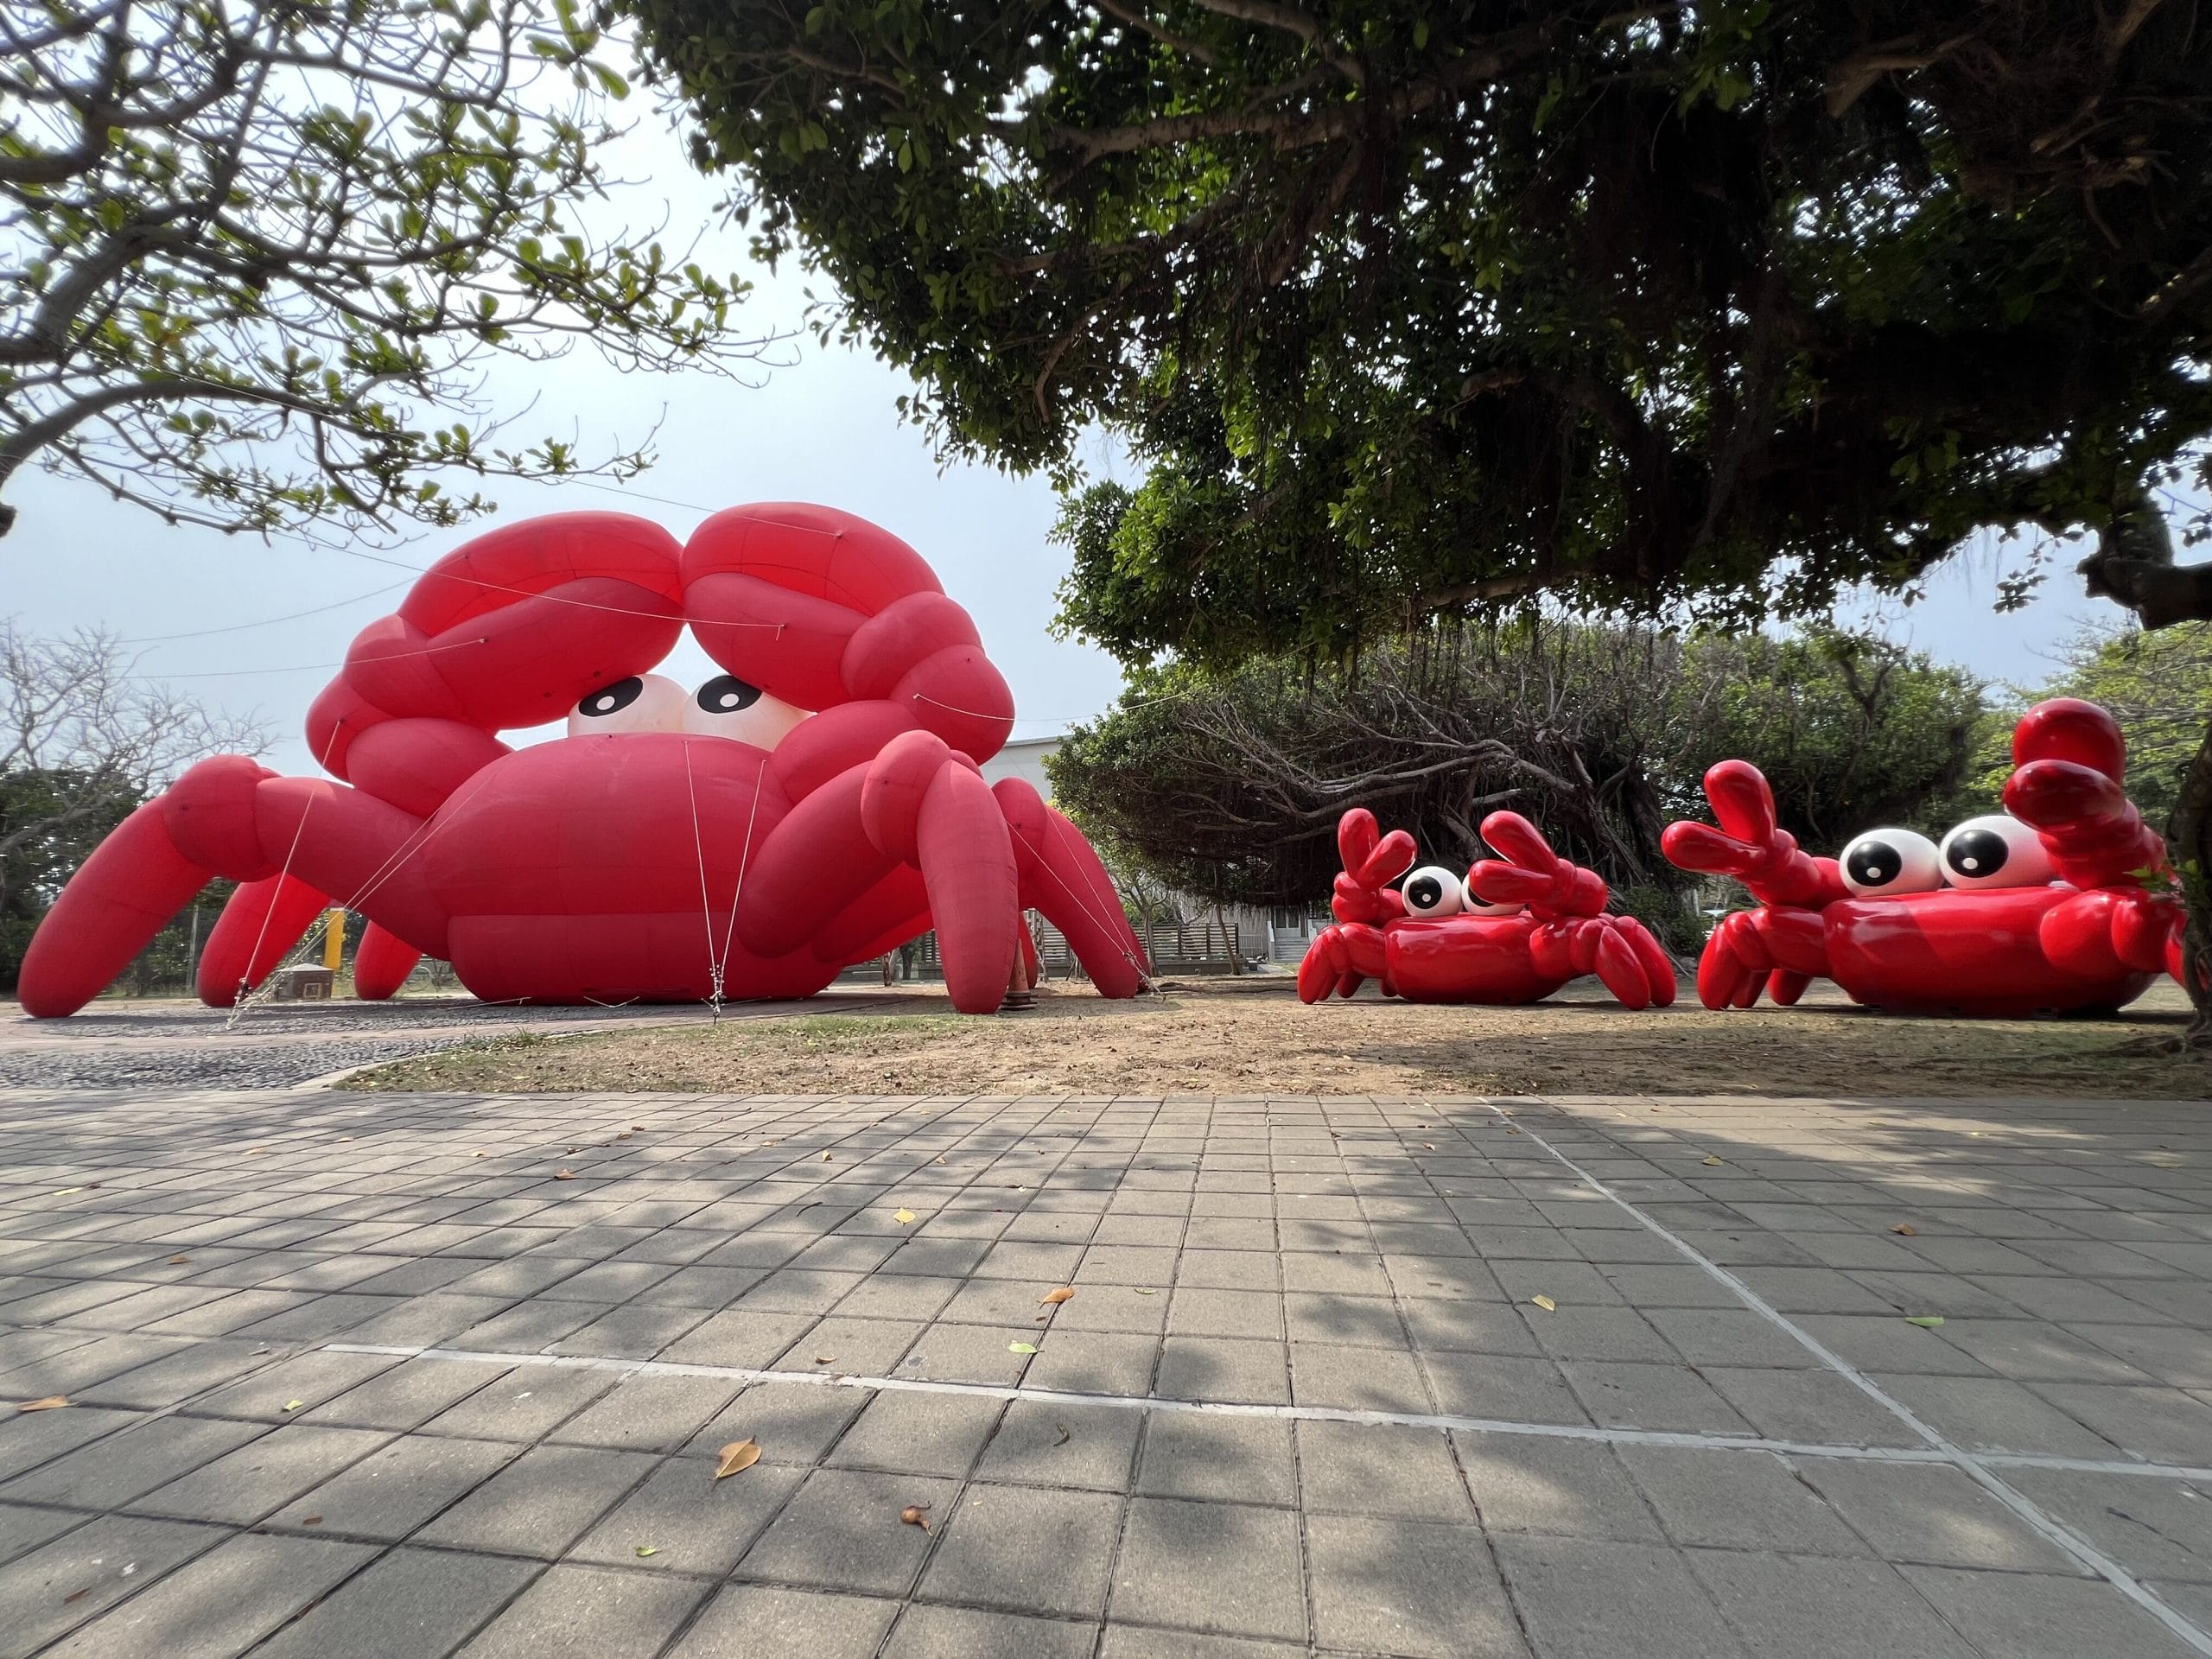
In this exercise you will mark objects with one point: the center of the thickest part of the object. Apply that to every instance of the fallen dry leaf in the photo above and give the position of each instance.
(1061, 1437)
(737, 1457)
(940, 1161)
(179, 1260)
(1712, 1160)
(1546, 1303)
(564, 1175)
(1146, 1292)
(1021, 1347)
(823, 1359)
(904, 1217)
(293, 1405)
(825, 1157)
(1054, 1297)
(1925, 1321)
(312, 1521)
(1906, 1228)
(644, 1550)
(51, 1402)
(77, 1595)
(916, 1515)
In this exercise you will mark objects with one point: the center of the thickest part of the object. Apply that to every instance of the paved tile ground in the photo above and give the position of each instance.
(175, 1043)
(385, 1376)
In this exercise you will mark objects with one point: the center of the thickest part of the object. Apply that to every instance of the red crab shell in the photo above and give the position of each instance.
(2093, 938)
(690, 855)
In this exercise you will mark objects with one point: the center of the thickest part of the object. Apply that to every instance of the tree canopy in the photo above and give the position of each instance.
(255, 255)
(1407, 307)
(1228, 786)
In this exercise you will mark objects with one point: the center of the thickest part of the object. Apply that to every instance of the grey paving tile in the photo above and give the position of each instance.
(1221, 1568)
(1379, 1471)
(1025, 1550)
(1230, 1460)
(1530, 1483)
(648, 1414)
(541, 1503)
(396, 1488)
(842, 1531)
(683, 1520)
(30, 1439)
(1937, 1516)
(926, 1633)
(794, 1422)
(268, 1472)
(110, 1473)
(753, 1621)
(919, 1433)
(1040, 1443)
(410, 1602)
(50, 1591)
(1406, 1587)
(525, 1403)
(2019, 1616)
(221, 1603)
(1738, 1500)
(590, 1610)
(1595, 1598)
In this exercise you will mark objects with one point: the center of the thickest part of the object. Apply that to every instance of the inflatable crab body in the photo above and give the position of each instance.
(814, 806)
(1515, 930)
(2060, 905)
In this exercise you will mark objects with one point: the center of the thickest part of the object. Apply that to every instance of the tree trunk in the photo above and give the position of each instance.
(2189, 833)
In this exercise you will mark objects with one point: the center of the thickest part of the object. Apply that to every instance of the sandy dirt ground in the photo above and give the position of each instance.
(1253, 1037)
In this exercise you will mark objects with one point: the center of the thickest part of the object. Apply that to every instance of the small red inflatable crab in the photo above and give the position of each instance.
(2058, 905)
(814, 806)
(1514, 930)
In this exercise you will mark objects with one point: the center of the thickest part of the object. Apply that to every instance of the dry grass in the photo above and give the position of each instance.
(1252, 1037)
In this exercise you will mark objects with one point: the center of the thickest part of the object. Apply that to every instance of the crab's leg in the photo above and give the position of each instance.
(1063, 880)
(1783, 986)
(888, 914)
(931, 809)
(381, 964)
(263, 921)
(1341, 956)
(125, 893)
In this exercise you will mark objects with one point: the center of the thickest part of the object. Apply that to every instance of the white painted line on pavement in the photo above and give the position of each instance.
(1901, 1454)
(1976, 1466)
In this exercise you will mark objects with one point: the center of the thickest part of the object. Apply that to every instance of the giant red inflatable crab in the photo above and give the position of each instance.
(813, 807)
(2060, 904)
(1515, 930)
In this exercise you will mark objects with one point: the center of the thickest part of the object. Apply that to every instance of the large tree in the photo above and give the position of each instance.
(1409, 308)
(256, 255)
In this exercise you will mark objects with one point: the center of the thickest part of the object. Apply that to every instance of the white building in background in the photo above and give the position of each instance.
(1280, 934)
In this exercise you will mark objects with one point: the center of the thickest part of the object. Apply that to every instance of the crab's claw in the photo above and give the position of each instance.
(1371, 862)
(1750, 844)
(1530, 873)
(2070, 762)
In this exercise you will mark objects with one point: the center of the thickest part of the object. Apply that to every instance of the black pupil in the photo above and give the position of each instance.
(1978, 852)
(726, 694)
(1875, 863)
(609, 698)
(1423, 892)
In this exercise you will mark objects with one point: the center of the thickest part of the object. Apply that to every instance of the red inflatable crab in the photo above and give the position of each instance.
(2058, 905)
(813, 807)
(1514, 930)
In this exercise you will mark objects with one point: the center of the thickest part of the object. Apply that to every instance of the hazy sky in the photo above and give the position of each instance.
(824, 430)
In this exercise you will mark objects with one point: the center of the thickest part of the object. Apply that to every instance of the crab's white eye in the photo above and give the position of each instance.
(643, 702)
(728, 707)
(1432, 890)
(1473, 904)
(1998, 851)
(1883, 863)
